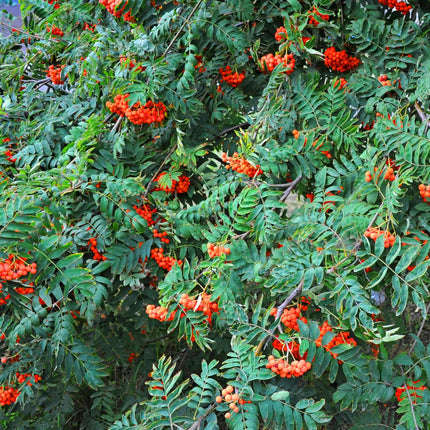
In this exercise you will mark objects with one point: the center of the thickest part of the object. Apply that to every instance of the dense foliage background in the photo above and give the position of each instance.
(156, 272)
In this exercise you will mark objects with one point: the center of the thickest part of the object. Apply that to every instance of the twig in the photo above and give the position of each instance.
(410, 402)
(117, 124)
(158, 171)
(290, 188)
(235, 127)
(290, 298)
(196, 425)
(423, 323)
(424, 117)
(182, 27)
(356, 247)
(281, 308)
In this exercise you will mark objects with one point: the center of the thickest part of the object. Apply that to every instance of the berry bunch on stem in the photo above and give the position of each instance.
(241, 165)
(340, 61)
(179, 186)
(164, 262)
(55, 74)
(216, 251)
(231, 398)
(232, 78)
(373, 233)
(284, 369)
(424, 192)
(268, 62)
(313, 21)
(399, 6)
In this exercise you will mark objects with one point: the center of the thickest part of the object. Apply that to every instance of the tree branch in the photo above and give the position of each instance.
(182, 27)
(356, 247)
(290, 188)
(196, 425)
(281, 308)
(235, 127)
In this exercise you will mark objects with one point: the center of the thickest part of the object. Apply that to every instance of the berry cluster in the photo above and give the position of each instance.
(292, 348)
(180, 186)
(146, 212)
(92, 243)
(55, 74)
(374, 233)
(25, 290)
(340, 61)
(281, 34)
(111, 7)
(340, 338)
(268, 62)
(90, 27)
(232, 78)
(231, 398)
(383, 79)
(290, 316)
(23, 377)
(296, 135)
(119, 105)
(164, 262)
(216, 251)
(131, 64)
(159, 313)
(162, 236)
(241, 165)
(412, 389)
(199, 66)
(400, 6)
(55, 3)
(149, 113)
(340, 83)
(8, 153)
(8, 395)
(202, 304)
(424, 192)
(313, 21)
(55, 31)
(388, 175)
(131, 357)
(15, 267)
(287, 370)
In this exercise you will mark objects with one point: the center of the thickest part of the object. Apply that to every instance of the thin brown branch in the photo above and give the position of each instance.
(148, 188)
(424, 117)
(182, 27)
(296, 292)
(196, 425)
(290, 298)
(410, 402)
(235, 127)
(423, 323)
(290, 188)
(356, 247)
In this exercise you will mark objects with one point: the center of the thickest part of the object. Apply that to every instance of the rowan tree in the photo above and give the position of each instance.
(215, 215)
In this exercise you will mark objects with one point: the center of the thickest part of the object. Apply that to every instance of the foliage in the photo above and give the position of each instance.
(156, 270)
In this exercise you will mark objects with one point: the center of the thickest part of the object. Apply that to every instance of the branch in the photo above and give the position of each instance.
(235, 127)
(410, 402)
(424, 117)
(196, 425)
(287, 192)
(356, 247)
(423, 323)
(158, 171)
(290, 298)
(182, 27)
(281, 308)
